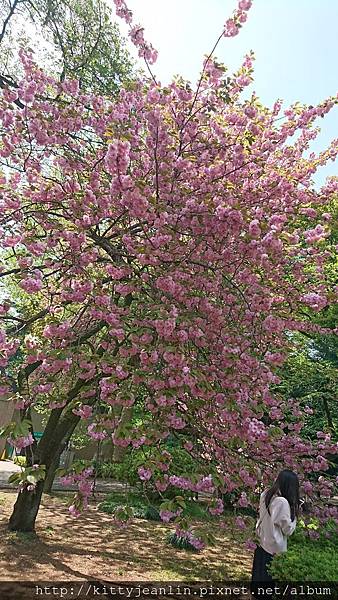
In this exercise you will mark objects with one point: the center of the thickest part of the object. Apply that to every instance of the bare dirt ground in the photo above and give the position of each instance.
(93, 547)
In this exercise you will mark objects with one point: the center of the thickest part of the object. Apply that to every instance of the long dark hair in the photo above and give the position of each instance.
(286, 485)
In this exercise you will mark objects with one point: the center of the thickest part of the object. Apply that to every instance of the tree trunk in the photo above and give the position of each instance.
(28, 503)
(50, 474)
(56, 431)
(25, 510)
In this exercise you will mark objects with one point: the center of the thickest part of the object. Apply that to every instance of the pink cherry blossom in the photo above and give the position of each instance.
(144, 474)
(21, 442)
(85, 411)
(240, 523)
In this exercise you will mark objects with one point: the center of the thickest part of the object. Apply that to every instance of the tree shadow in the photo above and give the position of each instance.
(93, 547)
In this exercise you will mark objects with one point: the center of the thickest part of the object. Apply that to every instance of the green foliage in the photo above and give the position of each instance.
(89, 45)
(136, 504)
(197, 510)
(307, 559)
(21, 461)
(76, 468)
(311, 378)
(16, 430)
(183, 463)
(150, 513)
(78, 39)
(123, 513)
(80, 437)
(116, 498)
(310, 372)
(149, 508)
(28, 476)
(124, 471)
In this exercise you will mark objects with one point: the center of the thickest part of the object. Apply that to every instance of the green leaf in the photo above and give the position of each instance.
(180, 501)
(14, 478)
(6, 431)
(31, 479)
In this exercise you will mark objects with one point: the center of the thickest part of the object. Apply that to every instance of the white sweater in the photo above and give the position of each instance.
(273, 529)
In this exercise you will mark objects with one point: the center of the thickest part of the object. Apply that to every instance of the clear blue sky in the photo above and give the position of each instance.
(295, 42)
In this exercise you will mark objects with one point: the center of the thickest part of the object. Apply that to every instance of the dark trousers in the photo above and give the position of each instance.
(260, 576)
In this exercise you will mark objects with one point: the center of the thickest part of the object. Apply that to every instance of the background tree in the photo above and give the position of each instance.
(73, 38)
(310, 373)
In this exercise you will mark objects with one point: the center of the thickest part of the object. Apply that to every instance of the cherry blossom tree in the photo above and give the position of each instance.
(171, 241)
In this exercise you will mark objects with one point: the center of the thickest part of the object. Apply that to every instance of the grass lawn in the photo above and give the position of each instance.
(93, 547)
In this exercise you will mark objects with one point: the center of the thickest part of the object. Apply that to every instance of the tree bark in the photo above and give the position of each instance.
(50, 474)
(26, 509)
(27, 504)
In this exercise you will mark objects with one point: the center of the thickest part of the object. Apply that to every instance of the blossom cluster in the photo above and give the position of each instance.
(146, 50)
(232, 26)
(85, 489)
(21, 442)
(191, 538)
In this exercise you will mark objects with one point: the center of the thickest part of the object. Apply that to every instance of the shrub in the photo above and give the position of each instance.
(182, 462)
(106, 470)
(138, 505)
(196, 510)
(124, 471)
(117, 498)
(148, 508)
(181, 542)
(150, 512)
(301, 563)
(308, 559)
(127, 470)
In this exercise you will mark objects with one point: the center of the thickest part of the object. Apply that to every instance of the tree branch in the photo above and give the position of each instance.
(8, 18)
(5, 83)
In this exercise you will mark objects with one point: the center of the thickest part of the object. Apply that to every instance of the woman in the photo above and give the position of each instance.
(278, 511)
